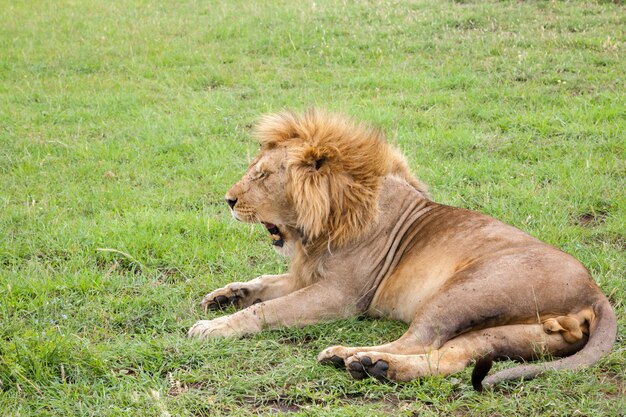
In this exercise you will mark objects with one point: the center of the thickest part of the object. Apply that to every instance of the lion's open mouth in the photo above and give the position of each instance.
(277, 238)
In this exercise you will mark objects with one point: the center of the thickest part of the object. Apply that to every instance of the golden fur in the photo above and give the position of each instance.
(364, 237)
(336, 170)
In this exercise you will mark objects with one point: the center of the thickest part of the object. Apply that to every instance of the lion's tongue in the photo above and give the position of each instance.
(277, 239)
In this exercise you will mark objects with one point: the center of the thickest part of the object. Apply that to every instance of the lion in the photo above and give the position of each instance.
(364, 237)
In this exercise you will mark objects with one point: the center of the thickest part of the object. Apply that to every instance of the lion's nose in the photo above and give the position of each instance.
(231, 202)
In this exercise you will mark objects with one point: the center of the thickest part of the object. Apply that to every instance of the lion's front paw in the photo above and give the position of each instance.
(219, 327)
(234, 293)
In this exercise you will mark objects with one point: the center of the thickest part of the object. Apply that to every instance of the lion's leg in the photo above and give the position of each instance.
(519, 341)
(244, 294)
(493, 293)
(436, 322)
(390, 366)
(338, 354)
(320, 301)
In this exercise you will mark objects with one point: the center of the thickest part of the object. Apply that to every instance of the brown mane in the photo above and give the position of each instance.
(336, 170)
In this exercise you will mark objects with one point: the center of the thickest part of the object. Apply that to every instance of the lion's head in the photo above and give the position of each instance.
(317, 177)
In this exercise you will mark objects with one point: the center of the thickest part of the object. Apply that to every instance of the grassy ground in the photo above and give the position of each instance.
(122, 125)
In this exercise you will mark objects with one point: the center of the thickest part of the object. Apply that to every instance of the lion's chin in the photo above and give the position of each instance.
(235, 215)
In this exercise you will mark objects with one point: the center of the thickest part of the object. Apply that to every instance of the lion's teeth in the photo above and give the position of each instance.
(276, 237)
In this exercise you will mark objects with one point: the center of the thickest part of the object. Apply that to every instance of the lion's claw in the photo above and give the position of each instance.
(334, 360)
(224, 297)
(218, 302)
(220, 299)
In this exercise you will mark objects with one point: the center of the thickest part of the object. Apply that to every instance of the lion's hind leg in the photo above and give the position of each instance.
(337, 355)
(518, 341)
(402, 367)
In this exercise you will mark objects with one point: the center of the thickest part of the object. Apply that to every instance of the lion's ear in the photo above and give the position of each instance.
(311, 187)
(315, 158)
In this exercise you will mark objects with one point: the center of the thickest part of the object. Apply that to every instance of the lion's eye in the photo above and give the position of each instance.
(260, 175)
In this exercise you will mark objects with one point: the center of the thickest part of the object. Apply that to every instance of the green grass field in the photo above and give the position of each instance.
(123, 124)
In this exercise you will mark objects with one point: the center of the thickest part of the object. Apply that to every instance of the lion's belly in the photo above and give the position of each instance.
(408, 287)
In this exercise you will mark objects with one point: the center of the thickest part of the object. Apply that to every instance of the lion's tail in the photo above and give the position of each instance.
(602, 334)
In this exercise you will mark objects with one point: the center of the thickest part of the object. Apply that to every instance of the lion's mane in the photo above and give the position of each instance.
(336, 168)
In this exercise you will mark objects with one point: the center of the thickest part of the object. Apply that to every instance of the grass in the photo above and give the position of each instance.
(123, 123)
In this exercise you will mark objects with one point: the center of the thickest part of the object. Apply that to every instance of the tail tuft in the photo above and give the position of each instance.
(602, 333)
(481, 369)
